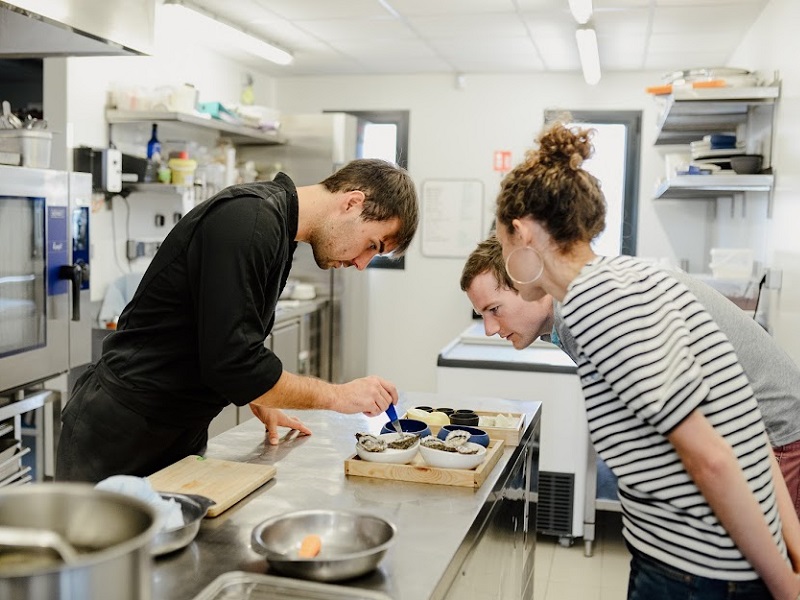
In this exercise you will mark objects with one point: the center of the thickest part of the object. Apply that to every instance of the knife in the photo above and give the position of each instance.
(392, 414)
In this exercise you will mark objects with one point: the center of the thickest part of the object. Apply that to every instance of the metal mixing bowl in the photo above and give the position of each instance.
(353, 543)
(193, 508)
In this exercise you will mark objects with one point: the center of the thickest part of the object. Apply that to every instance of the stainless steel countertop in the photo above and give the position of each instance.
(432, 520)
(286, 310)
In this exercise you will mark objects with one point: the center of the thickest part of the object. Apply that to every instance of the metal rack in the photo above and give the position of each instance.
(240, 135)
(15, 406)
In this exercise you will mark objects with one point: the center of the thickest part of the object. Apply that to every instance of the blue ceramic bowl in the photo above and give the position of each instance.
(409, 426)
(478, 436)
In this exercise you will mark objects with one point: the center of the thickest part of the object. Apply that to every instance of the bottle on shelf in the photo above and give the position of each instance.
(154, 146)
(151, 173)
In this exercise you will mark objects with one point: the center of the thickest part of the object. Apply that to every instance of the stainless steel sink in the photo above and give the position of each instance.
(239, 585)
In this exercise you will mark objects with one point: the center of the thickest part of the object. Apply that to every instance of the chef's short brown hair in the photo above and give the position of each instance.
(488, 256)
(389, 193)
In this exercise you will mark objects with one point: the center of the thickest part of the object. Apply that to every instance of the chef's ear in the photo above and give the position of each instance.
(355, 199)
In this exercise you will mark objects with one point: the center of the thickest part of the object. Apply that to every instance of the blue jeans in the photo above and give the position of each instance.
(653, 580)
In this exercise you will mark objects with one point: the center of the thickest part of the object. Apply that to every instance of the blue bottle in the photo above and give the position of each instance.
(154, 146)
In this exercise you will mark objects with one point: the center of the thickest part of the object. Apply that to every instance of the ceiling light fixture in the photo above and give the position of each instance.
(590, 58)
(207, 27)
(581, 10)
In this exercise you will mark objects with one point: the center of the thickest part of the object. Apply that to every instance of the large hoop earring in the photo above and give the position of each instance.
(524, 265)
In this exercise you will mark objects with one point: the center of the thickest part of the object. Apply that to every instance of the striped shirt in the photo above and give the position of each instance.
(649, 355)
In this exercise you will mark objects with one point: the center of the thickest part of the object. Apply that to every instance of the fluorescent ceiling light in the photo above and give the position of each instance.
(581, 10)
(203, 26)
(590, 59)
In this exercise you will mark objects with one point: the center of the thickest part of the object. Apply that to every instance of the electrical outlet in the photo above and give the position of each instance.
(137, 249)
(774, 279)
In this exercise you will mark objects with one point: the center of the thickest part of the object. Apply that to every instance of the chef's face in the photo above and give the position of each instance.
(507, 314)
(347, 241)
(522, 263)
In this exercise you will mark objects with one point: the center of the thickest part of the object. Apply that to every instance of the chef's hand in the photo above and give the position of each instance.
(272, 418)
(369, 395)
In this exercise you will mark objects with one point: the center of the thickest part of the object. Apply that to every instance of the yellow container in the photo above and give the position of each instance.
(182, 170)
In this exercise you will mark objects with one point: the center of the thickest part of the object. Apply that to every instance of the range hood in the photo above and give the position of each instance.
(43, 28)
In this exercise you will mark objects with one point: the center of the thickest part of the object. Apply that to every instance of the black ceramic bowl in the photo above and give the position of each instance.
(746, 164)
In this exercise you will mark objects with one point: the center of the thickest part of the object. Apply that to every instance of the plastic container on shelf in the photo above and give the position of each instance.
(33, 145)
(731, 263)
(183, 169)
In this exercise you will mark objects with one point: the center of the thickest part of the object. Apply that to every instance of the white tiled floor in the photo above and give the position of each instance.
(561, 573)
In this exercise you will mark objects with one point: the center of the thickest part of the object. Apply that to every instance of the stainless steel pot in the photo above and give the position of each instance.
(111, 533)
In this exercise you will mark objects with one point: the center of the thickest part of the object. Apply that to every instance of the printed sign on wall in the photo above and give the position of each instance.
(452, 217)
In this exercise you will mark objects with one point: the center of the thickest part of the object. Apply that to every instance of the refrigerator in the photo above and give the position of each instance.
(316, 146)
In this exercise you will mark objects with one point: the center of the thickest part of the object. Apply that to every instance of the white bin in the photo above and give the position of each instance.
(731, 263)
(34, 146)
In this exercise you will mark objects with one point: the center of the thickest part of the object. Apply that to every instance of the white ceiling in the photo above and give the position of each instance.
(366, 37)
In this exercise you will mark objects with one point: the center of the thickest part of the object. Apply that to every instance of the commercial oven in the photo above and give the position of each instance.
(45, 321)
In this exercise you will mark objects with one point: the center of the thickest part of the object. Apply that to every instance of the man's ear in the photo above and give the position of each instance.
(354, 199)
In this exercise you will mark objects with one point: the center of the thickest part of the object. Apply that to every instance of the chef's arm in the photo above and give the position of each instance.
(369, 395)
(714, 469)
(791, 525)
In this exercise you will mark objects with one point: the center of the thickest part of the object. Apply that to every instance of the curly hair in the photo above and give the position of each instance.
(487, 257)
(551, 187)
(389, 193)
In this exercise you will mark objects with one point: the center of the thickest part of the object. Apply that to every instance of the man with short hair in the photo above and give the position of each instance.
(774, 377)
(191, 340)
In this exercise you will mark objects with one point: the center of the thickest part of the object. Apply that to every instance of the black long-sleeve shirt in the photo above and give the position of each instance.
(191, 340)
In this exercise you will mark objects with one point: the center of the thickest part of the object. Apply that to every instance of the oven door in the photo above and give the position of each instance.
(34, 301)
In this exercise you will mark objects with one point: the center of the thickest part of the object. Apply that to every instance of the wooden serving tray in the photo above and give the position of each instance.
(419, 472)
(510, 435)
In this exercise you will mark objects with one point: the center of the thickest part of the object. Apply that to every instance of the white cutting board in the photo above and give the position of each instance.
(224, 481)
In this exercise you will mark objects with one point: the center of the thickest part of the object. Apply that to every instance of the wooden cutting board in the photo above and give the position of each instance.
(225, 482)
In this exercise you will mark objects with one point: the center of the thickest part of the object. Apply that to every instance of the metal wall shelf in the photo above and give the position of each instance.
(689, 114)
(238, 134)
(711, 186)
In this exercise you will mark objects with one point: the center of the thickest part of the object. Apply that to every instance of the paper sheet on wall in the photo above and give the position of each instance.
(452, 217)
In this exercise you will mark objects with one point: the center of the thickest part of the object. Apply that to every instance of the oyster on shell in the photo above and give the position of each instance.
(404, 441)
(370, 443)
(457, 438)
(468, 449)
(433, 442)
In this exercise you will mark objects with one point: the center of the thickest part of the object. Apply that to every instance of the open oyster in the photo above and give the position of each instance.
(370, 443)
(404, 441)
(433, 442)
(457, 438)
(468, 449)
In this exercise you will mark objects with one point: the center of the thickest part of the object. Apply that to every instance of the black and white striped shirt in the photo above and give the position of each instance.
(649, 355)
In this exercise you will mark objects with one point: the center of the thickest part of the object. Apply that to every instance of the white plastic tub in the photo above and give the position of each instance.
(731, 263)
(34, 146)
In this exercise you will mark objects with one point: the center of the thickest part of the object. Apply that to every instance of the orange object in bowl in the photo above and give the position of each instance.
(310, 546)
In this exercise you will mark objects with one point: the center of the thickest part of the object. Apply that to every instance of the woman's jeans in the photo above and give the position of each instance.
(653, 580)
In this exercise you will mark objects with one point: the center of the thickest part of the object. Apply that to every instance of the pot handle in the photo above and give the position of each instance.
(27, 537)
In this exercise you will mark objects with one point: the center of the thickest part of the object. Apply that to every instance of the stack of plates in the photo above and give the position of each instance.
(11, 470)
(716, 150)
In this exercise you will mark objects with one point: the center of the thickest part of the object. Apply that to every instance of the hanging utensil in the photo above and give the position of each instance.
(10, 117)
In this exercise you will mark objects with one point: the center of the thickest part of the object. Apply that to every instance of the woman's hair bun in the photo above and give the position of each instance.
(568, 147)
